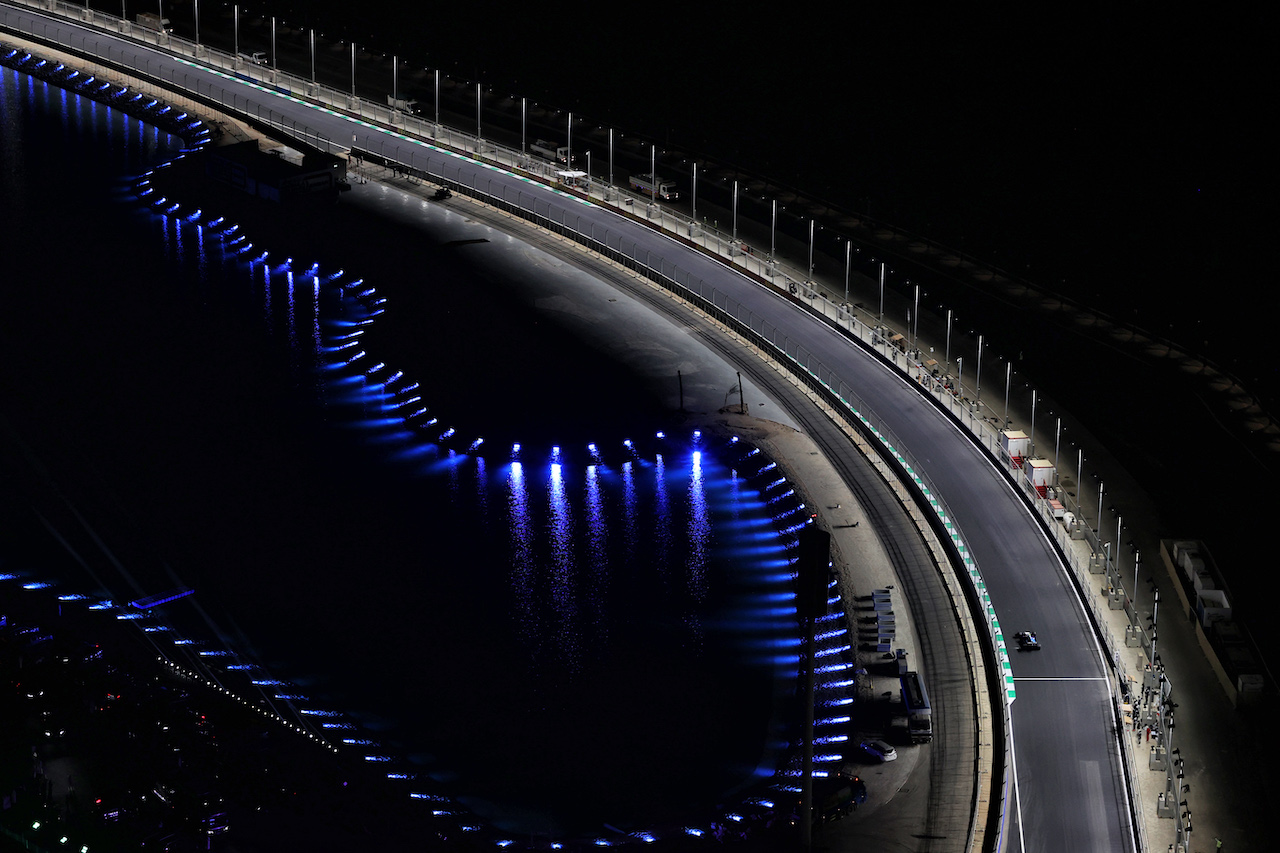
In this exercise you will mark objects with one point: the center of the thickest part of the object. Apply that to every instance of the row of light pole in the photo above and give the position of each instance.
(913, 315)
(913, 320)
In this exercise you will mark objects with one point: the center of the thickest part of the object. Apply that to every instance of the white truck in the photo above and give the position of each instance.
(405, 105)
(915, 701)
(152, 21)
(550, 150)
(258, 57)
(656, 188)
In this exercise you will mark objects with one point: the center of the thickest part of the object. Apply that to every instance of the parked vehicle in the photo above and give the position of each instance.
(837, 796)
(656, 188)
(550, 150)
(880, 750)
(152, 21)
(405, 105)
(915, 699)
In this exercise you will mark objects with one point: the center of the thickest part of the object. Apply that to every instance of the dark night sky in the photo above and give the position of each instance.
(1117, 158)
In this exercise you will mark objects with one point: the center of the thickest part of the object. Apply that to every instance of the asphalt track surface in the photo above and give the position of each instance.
(1068, 790)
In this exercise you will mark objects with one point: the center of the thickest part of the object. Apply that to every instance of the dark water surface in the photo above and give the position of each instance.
(557, 638)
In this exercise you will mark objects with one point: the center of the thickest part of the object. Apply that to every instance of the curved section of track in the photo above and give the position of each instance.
(1069, 791)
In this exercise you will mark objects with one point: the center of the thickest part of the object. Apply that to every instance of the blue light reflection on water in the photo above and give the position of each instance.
(523, 569)
(562, 567)
(597, 553)
(626, 597)
(699, 531)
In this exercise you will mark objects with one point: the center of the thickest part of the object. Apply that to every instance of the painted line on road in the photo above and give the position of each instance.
(1066, 678)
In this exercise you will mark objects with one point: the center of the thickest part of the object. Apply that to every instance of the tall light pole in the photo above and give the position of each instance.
(353, 69)
(1119, 539)
(313, 56)
(1079, 488)
(810, 250)
(274, 67)
(948, 356)
(1057, 444)
(734, 219)
(1033, 421)
(978, 382)
(235, 33)
(1008, 377)
(1137, 561)
(197, 14)
(848, 259)
(915, 324)
(1102, 486)
(524, 124)
(773, 235)
(694, 194)
(882, 291)
(653, 173)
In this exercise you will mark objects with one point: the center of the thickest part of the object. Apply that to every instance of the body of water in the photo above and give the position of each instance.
(558, 635)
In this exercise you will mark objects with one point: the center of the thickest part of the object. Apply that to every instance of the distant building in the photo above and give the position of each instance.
(280, 174)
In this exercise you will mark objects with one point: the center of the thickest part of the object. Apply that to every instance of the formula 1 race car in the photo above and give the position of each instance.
(1027, 641)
